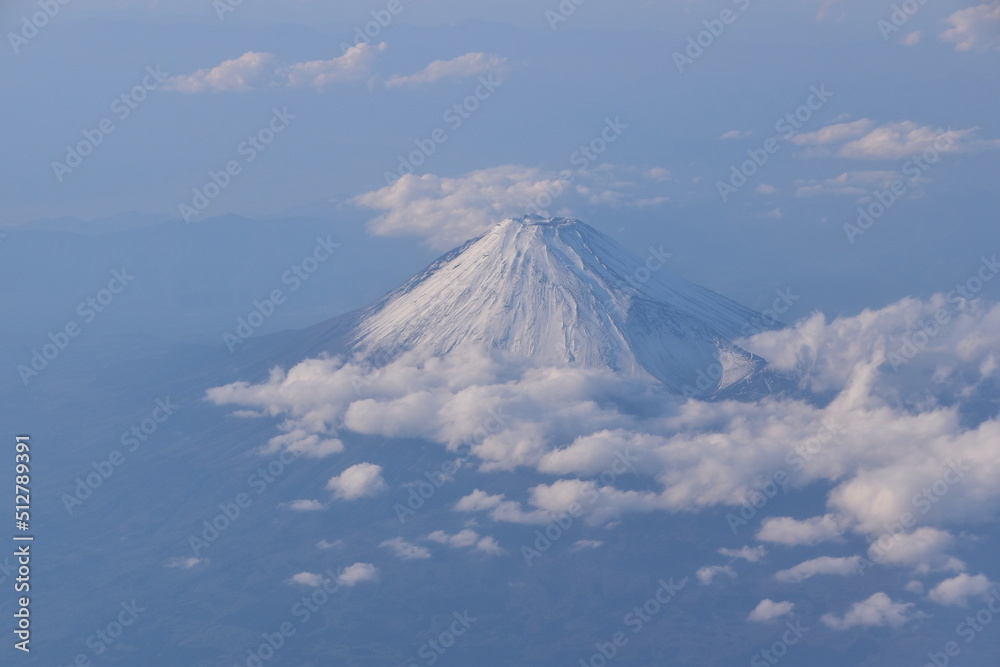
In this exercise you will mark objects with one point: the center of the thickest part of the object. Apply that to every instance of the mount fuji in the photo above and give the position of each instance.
(559, 292)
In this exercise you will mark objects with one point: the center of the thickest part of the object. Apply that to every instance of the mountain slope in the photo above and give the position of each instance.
(560, 292)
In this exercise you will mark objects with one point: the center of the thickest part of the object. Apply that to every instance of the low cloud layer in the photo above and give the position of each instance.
(891, 420)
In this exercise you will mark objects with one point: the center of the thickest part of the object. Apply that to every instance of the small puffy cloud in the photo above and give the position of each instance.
(259, 71)
(467, 538)
(864, 139)
(765, 189)
(747, 553)
(822, 565)
(912, 39)
(914, 586)
(958, 590)
(975, 29)
(352, 575)
(706, 575)
(489, 545)
(788, 531)
(406, 550)
(310, 579)
(239, 75)
(354, 65)
(877, 611)
(305, 505)
(924, 550)
(302, 443)
(769, 610)
(658, 174)
(358, 481)
(581, 545)
(326, 544)
(184, 563)
(456, 69)
(478, 501)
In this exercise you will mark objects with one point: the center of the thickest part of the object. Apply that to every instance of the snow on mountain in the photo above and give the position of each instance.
(560, 292)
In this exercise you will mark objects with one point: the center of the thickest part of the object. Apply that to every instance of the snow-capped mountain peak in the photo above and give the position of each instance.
(559, 292)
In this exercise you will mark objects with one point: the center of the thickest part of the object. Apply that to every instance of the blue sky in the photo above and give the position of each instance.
(892, 93)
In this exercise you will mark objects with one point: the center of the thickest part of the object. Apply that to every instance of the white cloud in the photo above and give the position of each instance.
(747, 553)
(863, 139)
(765, 189)
(735, 134)
(912, 39)
(239, 75)
(853, 183)
(877, 611)
(975, 29)
(768, 610)
(706, 575)
(184, 563)
(406, 550)
(447, 211)
(580, 545)
(358, 481)
(259, 71)
(310, 579)
(924, 550)
(352, 575)
(456, 69)
(326, 544)
(822, 565)
(886, 434)
(788, 531)
(658, 174)
(305, 505)
(467, 538)
(958, 590)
